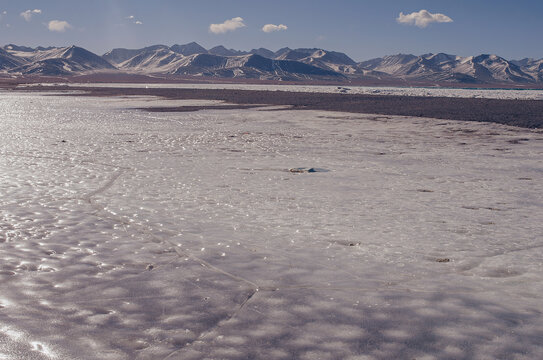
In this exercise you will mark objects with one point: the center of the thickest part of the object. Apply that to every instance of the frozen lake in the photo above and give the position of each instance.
(509, 94)
(133, 235)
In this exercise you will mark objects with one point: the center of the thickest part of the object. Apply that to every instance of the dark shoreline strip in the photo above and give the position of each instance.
(520, 113)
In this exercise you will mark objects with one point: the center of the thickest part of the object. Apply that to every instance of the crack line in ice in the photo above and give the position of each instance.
(209, 265)
(179, 253)
(218, 325)
(182, 254)
(103, 188)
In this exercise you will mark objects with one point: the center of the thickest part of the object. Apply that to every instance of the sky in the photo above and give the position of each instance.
(363, 29)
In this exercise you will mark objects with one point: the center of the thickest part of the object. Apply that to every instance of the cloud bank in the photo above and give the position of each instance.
(228, 25)
(268, 28)
(27, 15)
(422, 18)
(58, 25)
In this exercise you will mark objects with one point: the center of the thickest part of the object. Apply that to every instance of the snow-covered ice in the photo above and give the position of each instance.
(133, 235)
(504, 94)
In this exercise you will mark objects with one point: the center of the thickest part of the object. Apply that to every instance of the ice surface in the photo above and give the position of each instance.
(134, 235)
(368, 90)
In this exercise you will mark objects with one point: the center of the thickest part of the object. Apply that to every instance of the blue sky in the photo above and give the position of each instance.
(362, 28)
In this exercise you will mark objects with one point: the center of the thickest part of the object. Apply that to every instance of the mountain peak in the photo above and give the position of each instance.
(222, 51)
(188, 49)
(263, 52)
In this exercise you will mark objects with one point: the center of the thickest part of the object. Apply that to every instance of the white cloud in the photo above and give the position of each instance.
(58, 25)
(422, 18)
(4, 12)
(133, 20)
(228, 25)
(268, 28)
(29, 13)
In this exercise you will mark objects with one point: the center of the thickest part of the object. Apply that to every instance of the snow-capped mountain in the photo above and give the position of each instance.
(165, 61)
(193, 59)
(251, 66)
(428, 67)
(531, 66)
(160, 59)
(152, 60)
(329, 60)
(281, 51)
(56, 61)
(452, 68)
(9, 61)
(117, 56)
(489, 68)
(390, 64)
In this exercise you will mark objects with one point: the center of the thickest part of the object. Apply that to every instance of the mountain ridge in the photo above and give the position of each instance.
(192, 59)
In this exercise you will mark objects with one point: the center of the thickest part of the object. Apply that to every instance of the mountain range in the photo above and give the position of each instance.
(284, 64)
